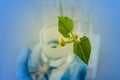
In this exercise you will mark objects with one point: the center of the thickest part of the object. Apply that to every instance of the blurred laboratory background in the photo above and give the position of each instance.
(22, 20)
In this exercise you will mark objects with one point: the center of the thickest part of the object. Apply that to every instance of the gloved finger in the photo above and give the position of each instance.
(78, 67)
(22, 65)
(84, 72)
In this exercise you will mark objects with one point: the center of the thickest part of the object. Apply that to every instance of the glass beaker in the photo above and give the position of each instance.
(51, 51)
(48, 57)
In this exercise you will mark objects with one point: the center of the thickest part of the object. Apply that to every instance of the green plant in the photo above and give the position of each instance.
(81, 47)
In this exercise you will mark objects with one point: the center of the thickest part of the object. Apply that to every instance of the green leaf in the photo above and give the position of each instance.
(65, 26)
(82, 49)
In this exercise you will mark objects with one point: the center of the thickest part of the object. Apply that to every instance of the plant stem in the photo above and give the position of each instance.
(61, 9)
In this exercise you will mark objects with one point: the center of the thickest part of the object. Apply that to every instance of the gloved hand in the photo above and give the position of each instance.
(77, 70)
(22, 65)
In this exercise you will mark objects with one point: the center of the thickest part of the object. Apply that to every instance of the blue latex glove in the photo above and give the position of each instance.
(77, 70)
(22, 65)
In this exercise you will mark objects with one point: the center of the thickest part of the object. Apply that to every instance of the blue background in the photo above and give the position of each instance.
(19, 26)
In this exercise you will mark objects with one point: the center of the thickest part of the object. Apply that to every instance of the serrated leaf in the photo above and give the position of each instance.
(65, 26)
(82, 49)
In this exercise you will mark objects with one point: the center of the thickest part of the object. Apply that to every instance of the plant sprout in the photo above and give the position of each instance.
(81, 47)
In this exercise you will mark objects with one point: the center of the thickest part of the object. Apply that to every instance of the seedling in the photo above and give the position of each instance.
(81, 47)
